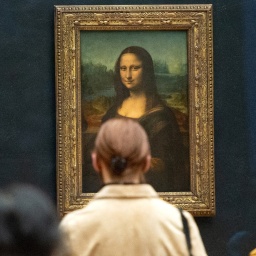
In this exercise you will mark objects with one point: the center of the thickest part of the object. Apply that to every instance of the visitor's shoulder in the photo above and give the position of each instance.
(73, 219)
(173, 213)
(166, 207)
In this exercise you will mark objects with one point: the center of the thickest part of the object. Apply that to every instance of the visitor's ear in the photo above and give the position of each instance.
(95, 163)
(147, 163)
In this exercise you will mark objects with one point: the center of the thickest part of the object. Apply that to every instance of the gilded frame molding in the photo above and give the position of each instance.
(197, 21)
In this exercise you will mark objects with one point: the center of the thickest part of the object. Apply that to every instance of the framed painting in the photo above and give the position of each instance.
(175, 46)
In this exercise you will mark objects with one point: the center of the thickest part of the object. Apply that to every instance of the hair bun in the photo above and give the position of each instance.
(118, 164)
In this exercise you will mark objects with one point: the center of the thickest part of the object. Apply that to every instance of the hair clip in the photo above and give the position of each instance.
(118, 164)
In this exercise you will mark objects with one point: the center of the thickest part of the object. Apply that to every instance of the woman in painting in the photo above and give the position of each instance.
(137, 99)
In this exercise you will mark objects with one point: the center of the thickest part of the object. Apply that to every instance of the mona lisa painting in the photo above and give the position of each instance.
(152, 64)
(127, 82)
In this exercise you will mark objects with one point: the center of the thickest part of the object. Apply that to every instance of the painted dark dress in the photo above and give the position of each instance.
(169, 171)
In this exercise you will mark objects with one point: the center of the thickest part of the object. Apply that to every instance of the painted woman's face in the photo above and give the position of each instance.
(131, 71)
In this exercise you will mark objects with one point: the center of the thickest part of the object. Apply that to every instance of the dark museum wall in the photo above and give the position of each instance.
(27, 98)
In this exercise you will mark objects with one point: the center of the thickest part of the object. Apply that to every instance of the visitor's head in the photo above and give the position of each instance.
(122, 148)
(28, 222)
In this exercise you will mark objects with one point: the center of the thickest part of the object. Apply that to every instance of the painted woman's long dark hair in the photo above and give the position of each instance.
(148, 78)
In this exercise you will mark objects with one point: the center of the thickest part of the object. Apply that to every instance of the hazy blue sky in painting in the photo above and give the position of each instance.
(105, 46)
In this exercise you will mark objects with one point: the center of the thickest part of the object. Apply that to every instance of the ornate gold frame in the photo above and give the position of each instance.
(197, 20)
